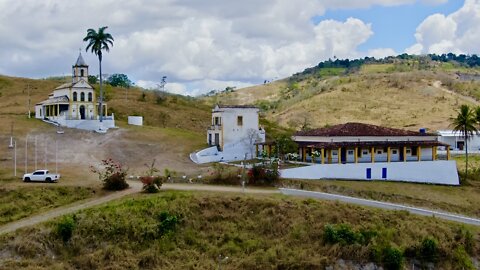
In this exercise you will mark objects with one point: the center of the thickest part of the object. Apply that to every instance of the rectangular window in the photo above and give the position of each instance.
(239, 120)
(394, 151)
(217, 121)
(408, 151)
(334, 153)
(379, 152)
(365, 152)
(350, 152)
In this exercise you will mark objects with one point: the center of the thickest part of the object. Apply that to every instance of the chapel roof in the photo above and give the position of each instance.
(359, 129)
(55, 100)
(80, 62)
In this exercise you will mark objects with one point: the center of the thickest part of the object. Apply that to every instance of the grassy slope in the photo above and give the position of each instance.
(172, 129)
(25, 201)
(254, 232)
(376, 94)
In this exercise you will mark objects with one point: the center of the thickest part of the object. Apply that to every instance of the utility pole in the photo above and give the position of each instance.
(28, 103)
(56, 160)
(11, 136)
(15, 158)
(35, 152)
(45, 152)
(26, 153)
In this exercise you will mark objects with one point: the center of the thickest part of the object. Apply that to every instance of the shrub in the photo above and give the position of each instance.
(462, 259)
(65, 227)
(429, 249)
(221, 175)
(168, 223)
(113, 175)
(151, 184)
(392, 258)
(342, 234)
(264, 174)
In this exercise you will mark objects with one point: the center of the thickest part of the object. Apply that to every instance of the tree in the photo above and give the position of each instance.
(97, 42)
(251, 139)
(92, 79)
(465, 123)
(119, 80)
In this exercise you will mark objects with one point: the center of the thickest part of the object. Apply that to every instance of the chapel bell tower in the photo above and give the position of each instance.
(80, 70)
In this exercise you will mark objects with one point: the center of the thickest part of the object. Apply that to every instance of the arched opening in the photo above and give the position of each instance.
(82, 112)
(82, 96)
(90, 98)
(74, 96)
(81, 72)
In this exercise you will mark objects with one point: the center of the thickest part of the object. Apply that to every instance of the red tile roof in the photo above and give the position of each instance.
(336, 145)
(359, 130)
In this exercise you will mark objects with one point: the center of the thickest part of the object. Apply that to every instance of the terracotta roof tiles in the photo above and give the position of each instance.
(359, 130)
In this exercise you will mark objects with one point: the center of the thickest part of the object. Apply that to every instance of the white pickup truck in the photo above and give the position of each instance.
(41, 175)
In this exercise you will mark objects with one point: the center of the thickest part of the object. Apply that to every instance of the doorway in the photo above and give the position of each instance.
(82, 112)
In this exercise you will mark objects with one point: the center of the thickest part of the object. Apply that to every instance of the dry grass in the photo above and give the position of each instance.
(254, 232)
(464, 199)
(409, 100)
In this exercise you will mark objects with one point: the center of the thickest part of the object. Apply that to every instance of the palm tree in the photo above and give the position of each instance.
(465, 123)
(98, 41)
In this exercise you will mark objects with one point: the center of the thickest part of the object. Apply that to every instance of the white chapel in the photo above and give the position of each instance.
(74, 104)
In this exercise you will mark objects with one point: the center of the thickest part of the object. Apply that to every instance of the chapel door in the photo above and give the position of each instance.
(82, 112)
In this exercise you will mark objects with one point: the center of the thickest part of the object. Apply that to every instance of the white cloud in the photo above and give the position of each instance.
(194, 43)
(457, 32)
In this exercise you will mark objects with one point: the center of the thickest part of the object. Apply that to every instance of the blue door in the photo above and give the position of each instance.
(384, 173)
(369, 173)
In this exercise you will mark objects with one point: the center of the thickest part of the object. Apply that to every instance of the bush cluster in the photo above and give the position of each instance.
(264, 174)
(221, 175)
(65, 227)
(168, 223)
(345, 235)
(113, 175)
(151, 184)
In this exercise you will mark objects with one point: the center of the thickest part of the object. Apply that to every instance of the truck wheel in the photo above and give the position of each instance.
(27, 179)
(49, 180)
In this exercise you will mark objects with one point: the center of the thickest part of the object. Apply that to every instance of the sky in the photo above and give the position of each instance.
(211, 44)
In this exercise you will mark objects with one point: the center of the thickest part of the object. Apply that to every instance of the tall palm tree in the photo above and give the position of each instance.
(98, 41)
(465, 123)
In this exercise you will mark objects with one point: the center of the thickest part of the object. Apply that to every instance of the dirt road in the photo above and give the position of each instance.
(135, 187)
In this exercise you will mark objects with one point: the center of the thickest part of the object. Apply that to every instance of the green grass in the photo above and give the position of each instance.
(326, 72)
(22, 202)
(183, 230)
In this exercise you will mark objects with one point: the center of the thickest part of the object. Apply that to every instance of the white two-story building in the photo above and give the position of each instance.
(74, 104)
(233, 133)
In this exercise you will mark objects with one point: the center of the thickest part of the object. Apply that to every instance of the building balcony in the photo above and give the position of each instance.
(215, 128)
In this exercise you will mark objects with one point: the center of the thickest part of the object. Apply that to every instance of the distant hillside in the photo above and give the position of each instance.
(404, 91)
(170, 111)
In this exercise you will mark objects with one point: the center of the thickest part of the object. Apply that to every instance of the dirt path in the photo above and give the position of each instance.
(438, 85)
(135, 187)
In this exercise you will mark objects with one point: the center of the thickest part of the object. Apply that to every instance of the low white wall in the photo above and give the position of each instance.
(135, 120)
(211, 154)
(436, 172)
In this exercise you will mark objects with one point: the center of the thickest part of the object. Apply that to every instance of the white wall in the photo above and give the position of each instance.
(437, 172)
(135, 120)
(473, 142)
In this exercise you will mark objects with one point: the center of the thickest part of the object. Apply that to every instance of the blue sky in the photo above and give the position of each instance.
(393, 26)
